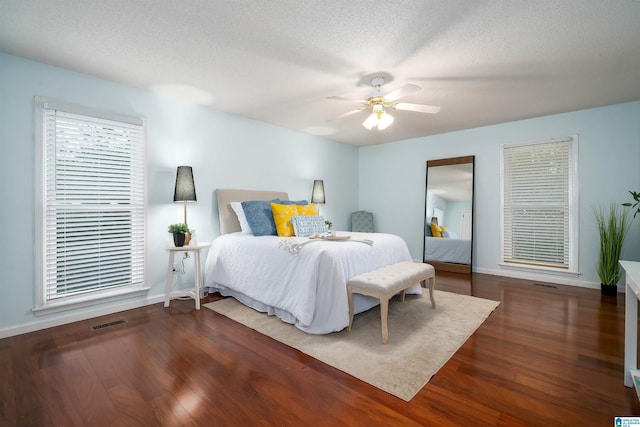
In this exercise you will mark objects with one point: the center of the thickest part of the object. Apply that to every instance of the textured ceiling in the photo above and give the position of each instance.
(483, 62)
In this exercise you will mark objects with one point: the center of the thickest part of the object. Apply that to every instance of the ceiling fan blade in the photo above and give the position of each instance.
(431, 109)
(342, 98)
(402, 91)
(348, 113)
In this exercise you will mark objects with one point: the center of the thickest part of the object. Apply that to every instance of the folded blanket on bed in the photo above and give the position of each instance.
(294, 244)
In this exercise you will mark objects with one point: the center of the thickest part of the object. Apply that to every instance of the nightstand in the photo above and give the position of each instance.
(193, 293)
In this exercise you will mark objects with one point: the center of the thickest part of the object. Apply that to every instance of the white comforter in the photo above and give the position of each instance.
(306, 288)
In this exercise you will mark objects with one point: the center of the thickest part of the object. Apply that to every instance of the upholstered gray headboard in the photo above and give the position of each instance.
(228, 219)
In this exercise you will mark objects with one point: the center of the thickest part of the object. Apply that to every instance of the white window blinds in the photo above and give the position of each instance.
(93, 214)
(538, 199)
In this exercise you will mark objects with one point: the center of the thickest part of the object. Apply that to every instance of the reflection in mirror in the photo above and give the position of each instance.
(448, 230)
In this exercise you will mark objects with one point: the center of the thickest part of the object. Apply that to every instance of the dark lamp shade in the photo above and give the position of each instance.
(185, 190)
(317, 195)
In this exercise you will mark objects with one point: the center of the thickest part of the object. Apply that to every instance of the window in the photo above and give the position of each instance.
(540, 205)
(91, 205)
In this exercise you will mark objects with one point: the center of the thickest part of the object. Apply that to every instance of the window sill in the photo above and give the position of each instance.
(540, 269)
(85, 301)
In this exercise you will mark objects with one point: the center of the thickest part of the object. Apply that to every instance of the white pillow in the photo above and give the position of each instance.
(242, 219)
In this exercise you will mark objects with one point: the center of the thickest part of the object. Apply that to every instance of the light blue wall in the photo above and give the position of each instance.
(434, 201)
(231, 151)
(453, 215)
(224, 150)
(392, 178)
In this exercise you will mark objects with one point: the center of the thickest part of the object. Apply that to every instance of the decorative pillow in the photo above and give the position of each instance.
(260, 217)
(294, 202)
(446, 234)
(282, 215)
(438, 230)
(305, 226)
(435, 230)
(428, 231)
(242, 218)
(308, 209)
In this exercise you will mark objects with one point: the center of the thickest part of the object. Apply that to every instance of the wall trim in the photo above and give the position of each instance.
(516, 274)
(78, 316)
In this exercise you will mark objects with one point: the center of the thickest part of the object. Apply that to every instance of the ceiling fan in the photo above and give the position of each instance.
(379, 103)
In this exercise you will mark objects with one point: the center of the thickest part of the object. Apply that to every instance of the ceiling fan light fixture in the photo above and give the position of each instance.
(379, 118)
(384, 121)
(371, 121)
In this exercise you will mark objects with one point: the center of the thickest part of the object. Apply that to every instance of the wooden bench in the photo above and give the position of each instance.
(385, 282)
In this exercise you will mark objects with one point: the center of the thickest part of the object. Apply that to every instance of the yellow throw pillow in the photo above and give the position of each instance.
(307, 210)
(282, 215)
(435, 230)
(282, 218)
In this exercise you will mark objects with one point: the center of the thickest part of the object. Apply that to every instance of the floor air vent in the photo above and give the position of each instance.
(545, 285)
(107, 325)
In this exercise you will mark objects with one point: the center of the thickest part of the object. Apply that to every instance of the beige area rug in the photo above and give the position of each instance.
(421, 339)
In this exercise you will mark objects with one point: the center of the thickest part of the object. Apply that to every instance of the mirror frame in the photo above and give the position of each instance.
(446, 266)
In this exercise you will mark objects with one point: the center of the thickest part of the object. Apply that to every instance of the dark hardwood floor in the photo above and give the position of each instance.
(549, 355)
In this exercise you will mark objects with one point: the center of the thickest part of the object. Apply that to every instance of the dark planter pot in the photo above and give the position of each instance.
(178, 239)
(608, 289)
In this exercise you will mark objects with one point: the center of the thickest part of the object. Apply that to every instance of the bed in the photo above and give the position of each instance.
(457, 251)
(300, 280)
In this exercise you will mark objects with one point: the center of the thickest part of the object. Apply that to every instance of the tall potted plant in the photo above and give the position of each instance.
(613, 226)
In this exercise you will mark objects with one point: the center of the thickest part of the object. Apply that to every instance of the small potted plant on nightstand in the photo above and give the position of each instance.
(179, 232)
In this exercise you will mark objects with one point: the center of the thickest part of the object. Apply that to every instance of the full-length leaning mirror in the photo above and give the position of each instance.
(448, 221)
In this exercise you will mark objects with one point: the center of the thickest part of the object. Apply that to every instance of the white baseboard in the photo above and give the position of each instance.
(517, 274)
(88, 313)
(539, 276)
